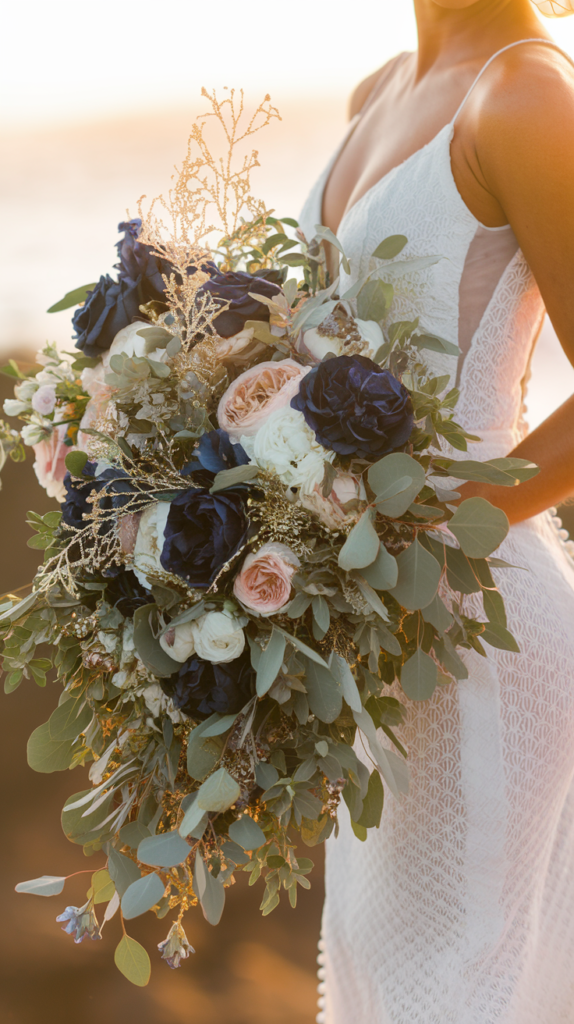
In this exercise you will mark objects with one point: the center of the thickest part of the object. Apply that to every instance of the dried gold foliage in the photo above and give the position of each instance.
(206, 187)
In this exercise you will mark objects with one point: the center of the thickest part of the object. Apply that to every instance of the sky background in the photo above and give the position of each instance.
(97, 103)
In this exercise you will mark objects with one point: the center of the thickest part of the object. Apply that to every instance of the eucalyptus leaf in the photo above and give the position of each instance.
(438, 615)
(396, 480)
(70, 719)
(19, 609)
(46, 885)
(479, 527)
(342, 672)
(247, 833)
(303, 648)
(142, 895)
(498, 636)
(419, 577)
(231, 477)
(394, 773)
(383, 573)
(133, 833)
(210, 892)
(203, 753)
(223, 724)
(419, 676)
(102, 886)
(270, 662)
(133, 961)
(194, 820)
(73, 298)
(123, 871)
(372, 811)
(390, 247)
(47, 755)
(148, 646)
(165, 850)
(218, 792)
(435, 344)
(324, 691)
(75, 462)
(374, 300)
(362, 545)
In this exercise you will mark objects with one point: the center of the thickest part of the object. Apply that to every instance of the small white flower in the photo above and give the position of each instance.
(149, 542)
(33, 433)
(26, 390)
(179, 642)
(311, 470)
(218, 637)
(44, 399)
(12, 407)
(318, 345)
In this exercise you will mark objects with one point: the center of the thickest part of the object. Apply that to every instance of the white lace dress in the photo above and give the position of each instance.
(460, 908)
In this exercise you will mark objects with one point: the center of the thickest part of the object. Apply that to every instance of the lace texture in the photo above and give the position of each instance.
(460, 908)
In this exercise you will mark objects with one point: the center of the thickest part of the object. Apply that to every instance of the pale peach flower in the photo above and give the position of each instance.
(256, 393)
(333, 511)
(264, 583)
(50, 466)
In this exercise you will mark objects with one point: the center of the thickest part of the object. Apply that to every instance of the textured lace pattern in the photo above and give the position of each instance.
(460, 908)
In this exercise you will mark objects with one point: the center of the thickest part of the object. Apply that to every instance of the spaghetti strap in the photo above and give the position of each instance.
(519, 42)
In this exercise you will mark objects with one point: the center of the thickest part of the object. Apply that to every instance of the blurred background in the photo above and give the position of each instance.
(96, 107)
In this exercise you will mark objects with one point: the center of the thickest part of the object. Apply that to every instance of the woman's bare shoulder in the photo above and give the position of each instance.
(361, 94)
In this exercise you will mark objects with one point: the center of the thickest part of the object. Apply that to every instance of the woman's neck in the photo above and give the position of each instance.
(450, 37)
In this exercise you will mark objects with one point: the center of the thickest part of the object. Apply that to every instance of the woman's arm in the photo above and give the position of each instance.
(524, 154)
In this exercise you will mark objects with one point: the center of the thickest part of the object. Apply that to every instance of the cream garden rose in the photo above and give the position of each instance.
(264, 583)
(218, 637)
(149, 543)
(287, 446)
(256, 394)
(179, 641)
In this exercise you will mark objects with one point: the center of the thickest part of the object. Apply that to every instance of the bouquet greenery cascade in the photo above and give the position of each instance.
(258, 550)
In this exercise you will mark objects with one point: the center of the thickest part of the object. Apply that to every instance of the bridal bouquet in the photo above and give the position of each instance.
(257, 549)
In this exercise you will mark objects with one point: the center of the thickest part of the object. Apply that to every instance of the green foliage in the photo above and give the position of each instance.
(73, 298)
(165, 850)
(133, 961)
(142, 895)
(47, 885)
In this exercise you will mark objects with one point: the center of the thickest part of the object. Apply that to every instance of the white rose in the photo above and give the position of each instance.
(128, 342)
(218, 637)
(310, 472)
(12, 407)
(282, 443)
(44, 399)
(318, 345)
(179, 642)
(149, 542)
(371, 333)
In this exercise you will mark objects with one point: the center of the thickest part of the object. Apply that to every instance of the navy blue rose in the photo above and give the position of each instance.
(355, 407)
(201, 688)
(124, 591)
(235, 288)
(118, 491)
(111, 306)
(203, 531)
(214, 453)
(140, 265)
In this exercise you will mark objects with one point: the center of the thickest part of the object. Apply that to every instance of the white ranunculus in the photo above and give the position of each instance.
(44, 399)
(149, 542)
(218, 637)
(179, 642)
(12, 407)
(371, 333)
(128, 342)
(283, 442)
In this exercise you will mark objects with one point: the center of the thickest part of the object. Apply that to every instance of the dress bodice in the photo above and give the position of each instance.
(478, 292)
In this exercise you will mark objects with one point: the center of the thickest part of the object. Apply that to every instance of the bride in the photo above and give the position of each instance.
(460, 909)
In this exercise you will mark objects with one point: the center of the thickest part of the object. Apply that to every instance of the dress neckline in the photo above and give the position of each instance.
(418, 152)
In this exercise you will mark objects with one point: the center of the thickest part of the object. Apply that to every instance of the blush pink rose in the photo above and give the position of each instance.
(264, 583)
(256, 393)
(50, 466)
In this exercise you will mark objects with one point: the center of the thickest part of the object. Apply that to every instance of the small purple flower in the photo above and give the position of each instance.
(82, 921)
(176, 947)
